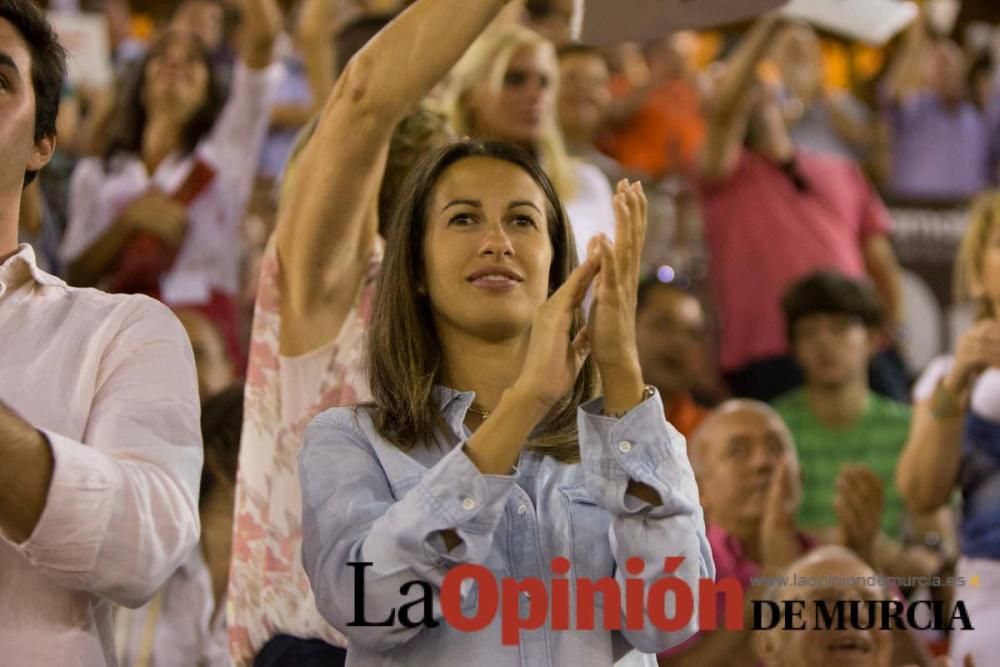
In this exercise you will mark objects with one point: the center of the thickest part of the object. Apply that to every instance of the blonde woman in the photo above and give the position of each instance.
(955, 435)
(504, 88)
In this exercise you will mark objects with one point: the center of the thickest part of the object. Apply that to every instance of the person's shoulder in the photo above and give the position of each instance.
(132, 320)
(355, 420)
(790, 403)
(888, 408)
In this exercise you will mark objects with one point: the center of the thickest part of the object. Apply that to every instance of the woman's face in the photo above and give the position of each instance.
(991, 267)
(176, 76)
(487, 251)
(524, 106)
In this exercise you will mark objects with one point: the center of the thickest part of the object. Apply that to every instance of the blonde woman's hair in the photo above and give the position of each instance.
(985, 216)
(487, 60)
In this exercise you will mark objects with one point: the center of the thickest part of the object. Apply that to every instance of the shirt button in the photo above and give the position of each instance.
(624, 446)
(469, 503)
(522, 510)
(527, 595)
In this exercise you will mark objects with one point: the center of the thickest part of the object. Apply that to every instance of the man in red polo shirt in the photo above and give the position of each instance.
(773, 214)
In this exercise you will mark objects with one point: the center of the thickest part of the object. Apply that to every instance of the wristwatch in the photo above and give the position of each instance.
(647, 392)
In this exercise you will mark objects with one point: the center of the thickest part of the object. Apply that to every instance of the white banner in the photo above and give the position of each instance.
(872, 21)
(605, 22)
(85, 37)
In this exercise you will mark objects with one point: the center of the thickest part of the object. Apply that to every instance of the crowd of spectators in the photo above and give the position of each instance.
(243, 166)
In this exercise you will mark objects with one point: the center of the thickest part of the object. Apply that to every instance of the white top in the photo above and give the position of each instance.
(592, 210)
(110, 380)
(210, 255)
(985, 393)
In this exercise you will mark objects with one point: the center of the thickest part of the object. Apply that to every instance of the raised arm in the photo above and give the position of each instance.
(928, 468)
(261, 25)
(328, 219)
(314, 37)
(905, 68)
(732, 98)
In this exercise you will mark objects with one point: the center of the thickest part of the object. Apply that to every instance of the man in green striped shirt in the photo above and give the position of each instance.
(843, 431)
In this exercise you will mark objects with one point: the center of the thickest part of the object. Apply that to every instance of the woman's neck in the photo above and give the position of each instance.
(161, 137)
(485, 367)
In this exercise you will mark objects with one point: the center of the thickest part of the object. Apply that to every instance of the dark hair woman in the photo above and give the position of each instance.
(177, 172)
(481, 445)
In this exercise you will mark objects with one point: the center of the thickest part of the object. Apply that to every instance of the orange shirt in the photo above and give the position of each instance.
(686, 415)
(664, 135)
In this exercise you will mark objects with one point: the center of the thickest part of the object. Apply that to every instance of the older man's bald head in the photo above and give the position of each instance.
(730, 419)
(826, 574)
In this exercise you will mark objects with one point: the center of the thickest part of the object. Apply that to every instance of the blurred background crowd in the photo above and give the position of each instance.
(823, 240)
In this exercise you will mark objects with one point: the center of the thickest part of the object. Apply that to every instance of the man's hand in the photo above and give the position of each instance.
(858, 504)
(779, 539)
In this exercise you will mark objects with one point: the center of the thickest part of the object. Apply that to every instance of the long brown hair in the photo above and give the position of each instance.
(984, 217)
(403, 348)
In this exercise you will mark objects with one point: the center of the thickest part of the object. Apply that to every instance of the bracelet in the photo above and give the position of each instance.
(945, 404)
(647, 392)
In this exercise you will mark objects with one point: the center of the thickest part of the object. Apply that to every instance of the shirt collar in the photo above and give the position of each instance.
(20, 267)
(454, 404)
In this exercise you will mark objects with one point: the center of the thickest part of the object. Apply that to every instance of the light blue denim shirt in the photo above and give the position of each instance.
(366, 500)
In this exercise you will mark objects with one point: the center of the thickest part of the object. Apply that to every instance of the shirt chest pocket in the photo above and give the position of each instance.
(589, 527)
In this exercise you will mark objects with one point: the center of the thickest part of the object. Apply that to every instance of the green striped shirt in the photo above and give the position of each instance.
(876, 440)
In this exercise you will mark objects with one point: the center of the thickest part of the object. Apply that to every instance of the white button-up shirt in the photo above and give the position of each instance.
(110, 381)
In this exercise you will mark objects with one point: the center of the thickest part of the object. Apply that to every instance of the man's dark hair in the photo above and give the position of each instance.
(48, 64)
(651, 283)
(353, 36)
(221, 424)
(539, 9)
(828, 292)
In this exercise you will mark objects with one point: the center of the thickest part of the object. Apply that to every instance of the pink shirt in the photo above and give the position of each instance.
(269, 592)
(763, 235)
(730, 561)
(110, 381)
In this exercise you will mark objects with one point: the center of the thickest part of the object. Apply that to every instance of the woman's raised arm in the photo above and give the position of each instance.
(328, 219)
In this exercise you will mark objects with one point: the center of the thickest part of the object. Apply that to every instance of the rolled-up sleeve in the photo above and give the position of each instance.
(643, 447)
(350, 515)
(122, 507)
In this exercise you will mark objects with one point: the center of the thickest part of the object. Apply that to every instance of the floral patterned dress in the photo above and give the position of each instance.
(269, 593)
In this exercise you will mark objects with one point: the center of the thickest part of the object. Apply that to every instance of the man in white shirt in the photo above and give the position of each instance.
(100, 452)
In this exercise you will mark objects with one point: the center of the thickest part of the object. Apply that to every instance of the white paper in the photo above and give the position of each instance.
(606, 22)
(871, 21)
(85, 37)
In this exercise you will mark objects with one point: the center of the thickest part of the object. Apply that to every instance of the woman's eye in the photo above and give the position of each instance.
(524, 221)
(461, 219)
